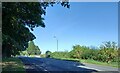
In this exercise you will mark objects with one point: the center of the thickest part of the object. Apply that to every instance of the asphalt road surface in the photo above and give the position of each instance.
(38, 65)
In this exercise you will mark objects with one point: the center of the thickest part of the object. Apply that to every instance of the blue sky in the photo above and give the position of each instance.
(85, 23)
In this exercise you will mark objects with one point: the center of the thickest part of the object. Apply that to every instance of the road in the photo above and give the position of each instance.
(54, 65)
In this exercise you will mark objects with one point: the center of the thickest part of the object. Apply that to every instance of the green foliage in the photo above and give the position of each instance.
(48, 54)
(81, 52)
(42, 55)
(76, 52)
(60, 54)
(107, 53)
(12, 64)
(24, 53)
(18, 18)
(33, 49)
(37, 50)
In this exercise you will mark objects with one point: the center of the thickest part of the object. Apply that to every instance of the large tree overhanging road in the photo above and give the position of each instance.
(48, 64)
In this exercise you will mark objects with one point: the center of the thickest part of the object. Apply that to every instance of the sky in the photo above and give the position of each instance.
(85, 23)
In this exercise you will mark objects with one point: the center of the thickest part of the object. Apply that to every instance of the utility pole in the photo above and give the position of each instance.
(57, 42)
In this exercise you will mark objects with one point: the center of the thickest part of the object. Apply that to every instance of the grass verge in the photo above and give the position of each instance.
(12, 64)
(112, 64)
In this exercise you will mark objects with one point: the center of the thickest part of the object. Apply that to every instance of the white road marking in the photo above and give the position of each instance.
(89, 68)
(45, 70)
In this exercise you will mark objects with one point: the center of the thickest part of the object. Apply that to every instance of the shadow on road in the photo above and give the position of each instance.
(48, 65)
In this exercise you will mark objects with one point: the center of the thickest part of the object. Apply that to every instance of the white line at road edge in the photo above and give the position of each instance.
(89, 68)
(45, 70)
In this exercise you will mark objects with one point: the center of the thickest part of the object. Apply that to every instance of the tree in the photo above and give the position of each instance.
(37, 50)
(18, 19)
(60, 54)
(48, 53)
(76, 52)
(108, 51)
(33, 49)
(24, 53)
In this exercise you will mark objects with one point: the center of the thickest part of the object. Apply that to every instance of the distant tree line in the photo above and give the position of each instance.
(31, 50)
(107, 52)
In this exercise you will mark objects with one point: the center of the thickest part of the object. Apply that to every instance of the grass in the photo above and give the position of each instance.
(112, 64)
(12, 64)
